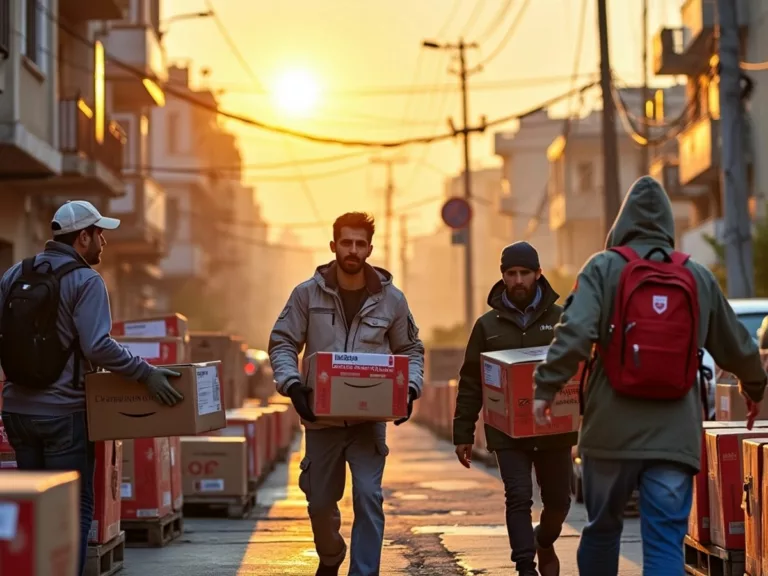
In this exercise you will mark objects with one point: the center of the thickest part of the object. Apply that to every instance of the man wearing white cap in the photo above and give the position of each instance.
(54, 318)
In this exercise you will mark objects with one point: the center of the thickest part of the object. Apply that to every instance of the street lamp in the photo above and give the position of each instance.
(430, 44)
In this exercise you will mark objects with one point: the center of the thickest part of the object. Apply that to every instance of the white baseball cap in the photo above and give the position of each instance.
(78, 215)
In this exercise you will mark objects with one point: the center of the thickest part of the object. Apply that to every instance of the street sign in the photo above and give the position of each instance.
(456, 213)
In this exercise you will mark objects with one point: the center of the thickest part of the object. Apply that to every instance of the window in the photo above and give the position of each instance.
(35, 26)
(585, 178)
(172, 132)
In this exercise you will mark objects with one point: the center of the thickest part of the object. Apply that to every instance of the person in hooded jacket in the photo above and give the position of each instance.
(523, 314)
(629, 443)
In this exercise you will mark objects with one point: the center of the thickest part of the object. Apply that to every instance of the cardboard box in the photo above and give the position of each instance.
(146, 487)
(214, 346)
(731, 406)
(119, 408)
(356, 386)
(157, 351)
(107, 480)
(698, 520)
(508, 391)
(177, 490)
(245, 424)
(173, 325)
(726, 485)
(754, 478)
(214, 466)
(39, 523)
(7, 454)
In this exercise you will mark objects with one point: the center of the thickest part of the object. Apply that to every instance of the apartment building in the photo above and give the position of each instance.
(688, 51)
(57, 136)
(436, 263)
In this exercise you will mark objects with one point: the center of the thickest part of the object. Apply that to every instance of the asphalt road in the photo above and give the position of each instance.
(442, 520)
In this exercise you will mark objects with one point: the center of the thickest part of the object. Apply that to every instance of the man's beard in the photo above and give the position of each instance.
(94, 258)
(350, 265)
(520, 295)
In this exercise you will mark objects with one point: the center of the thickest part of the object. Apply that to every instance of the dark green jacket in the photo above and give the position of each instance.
(619, 427)
(501, 329)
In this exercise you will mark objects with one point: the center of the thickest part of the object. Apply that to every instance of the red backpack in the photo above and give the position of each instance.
(652, 351)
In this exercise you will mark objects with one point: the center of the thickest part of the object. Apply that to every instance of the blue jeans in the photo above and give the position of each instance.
(57, 443)
(323, 479)
(666, 491)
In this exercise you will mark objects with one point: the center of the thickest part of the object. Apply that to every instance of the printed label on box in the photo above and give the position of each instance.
(210, 485)
(167, 499)
(9, 520)
(143, 349)
(725, 403)
(155, 329)
(147, 513)
(358, 360)
(492, 374)
(208, 391)
(126, 491)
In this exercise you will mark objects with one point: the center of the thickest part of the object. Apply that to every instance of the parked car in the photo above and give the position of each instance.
(751, 312)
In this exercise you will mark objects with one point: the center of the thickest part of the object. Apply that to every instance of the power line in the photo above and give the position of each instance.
(497, 19)
(507, 37)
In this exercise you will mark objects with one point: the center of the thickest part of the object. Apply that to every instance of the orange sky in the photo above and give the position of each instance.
(358, 46)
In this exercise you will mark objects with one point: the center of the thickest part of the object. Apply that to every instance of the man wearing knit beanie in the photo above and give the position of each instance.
(523, 315)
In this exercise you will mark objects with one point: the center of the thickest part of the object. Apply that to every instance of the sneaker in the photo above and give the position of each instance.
(323, 570)
(549, 563)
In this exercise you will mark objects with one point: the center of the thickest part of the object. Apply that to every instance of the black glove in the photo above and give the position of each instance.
(299, 396)
(411, 399)
(161, 389)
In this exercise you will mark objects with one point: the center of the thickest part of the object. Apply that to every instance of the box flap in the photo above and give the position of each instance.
(519, 356)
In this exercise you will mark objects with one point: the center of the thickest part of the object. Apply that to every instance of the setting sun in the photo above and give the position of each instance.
(296, 93)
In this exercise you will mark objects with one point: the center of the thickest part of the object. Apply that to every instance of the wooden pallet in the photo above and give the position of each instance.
(228, 506)
(710, 560)
(106, 559)
(154, 533)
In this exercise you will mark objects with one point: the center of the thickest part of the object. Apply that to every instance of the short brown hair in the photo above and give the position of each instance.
(358, 220)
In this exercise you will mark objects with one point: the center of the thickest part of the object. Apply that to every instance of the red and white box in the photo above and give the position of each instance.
(243, 423)
(357, 386)
(173, 326)
(157, 351)
(109, 473)
(146, 488)
(508, 393)
(39, 523)
(726, 485)
(7, 454)
(177, 489)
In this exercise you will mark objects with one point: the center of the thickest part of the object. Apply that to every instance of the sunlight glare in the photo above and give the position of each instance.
(296, 93)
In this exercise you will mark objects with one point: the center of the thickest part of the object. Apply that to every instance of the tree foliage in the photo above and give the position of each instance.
(759, 250)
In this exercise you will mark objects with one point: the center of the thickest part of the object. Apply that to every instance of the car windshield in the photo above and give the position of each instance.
(752, 322)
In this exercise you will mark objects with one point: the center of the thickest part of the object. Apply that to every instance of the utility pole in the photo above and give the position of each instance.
(646, 131)
(404, 252)
(465, 131)
(738, 233)
(389, 194)
(610, 144)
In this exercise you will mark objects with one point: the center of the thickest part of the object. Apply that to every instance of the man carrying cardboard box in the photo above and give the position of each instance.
(348, 306)
(523, 314)
(642, 421)
(54, 315)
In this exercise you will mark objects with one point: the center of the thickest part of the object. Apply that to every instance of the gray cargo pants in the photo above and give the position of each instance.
(322, 479)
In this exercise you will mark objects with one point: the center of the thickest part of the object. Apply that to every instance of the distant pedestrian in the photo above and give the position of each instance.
(523, 314)
(347, 306)
(642, 422)
(54, 327)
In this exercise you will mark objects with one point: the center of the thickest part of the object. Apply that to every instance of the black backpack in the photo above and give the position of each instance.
(31, 352)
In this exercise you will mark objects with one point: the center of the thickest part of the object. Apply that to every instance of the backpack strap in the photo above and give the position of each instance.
(625, 252)
(28, 266)
(65, 269)
(584, 377)
(679, 258)
(74, 347)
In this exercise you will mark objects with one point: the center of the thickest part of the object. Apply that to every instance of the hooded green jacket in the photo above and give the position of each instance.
(501, 329)
(619, 427)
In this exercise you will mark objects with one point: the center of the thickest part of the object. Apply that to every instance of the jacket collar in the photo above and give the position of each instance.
(372, 280)
(51, 246)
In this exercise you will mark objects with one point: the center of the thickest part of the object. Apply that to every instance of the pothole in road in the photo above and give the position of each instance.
(497, 530)
(449, 485)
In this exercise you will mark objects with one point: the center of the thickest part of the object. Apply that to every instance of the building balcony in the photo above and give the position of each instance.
(185, 260)
(142, 213)
(138, 48)
(84, 10)
(699, 18)
(699, 152)
(669, 55)
(582, 205)
(666, 170)
(91, 163)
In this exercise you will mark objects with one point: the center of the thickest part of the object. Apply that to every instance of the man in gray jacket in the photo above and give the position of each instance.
(47, 427)
(348, 306)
